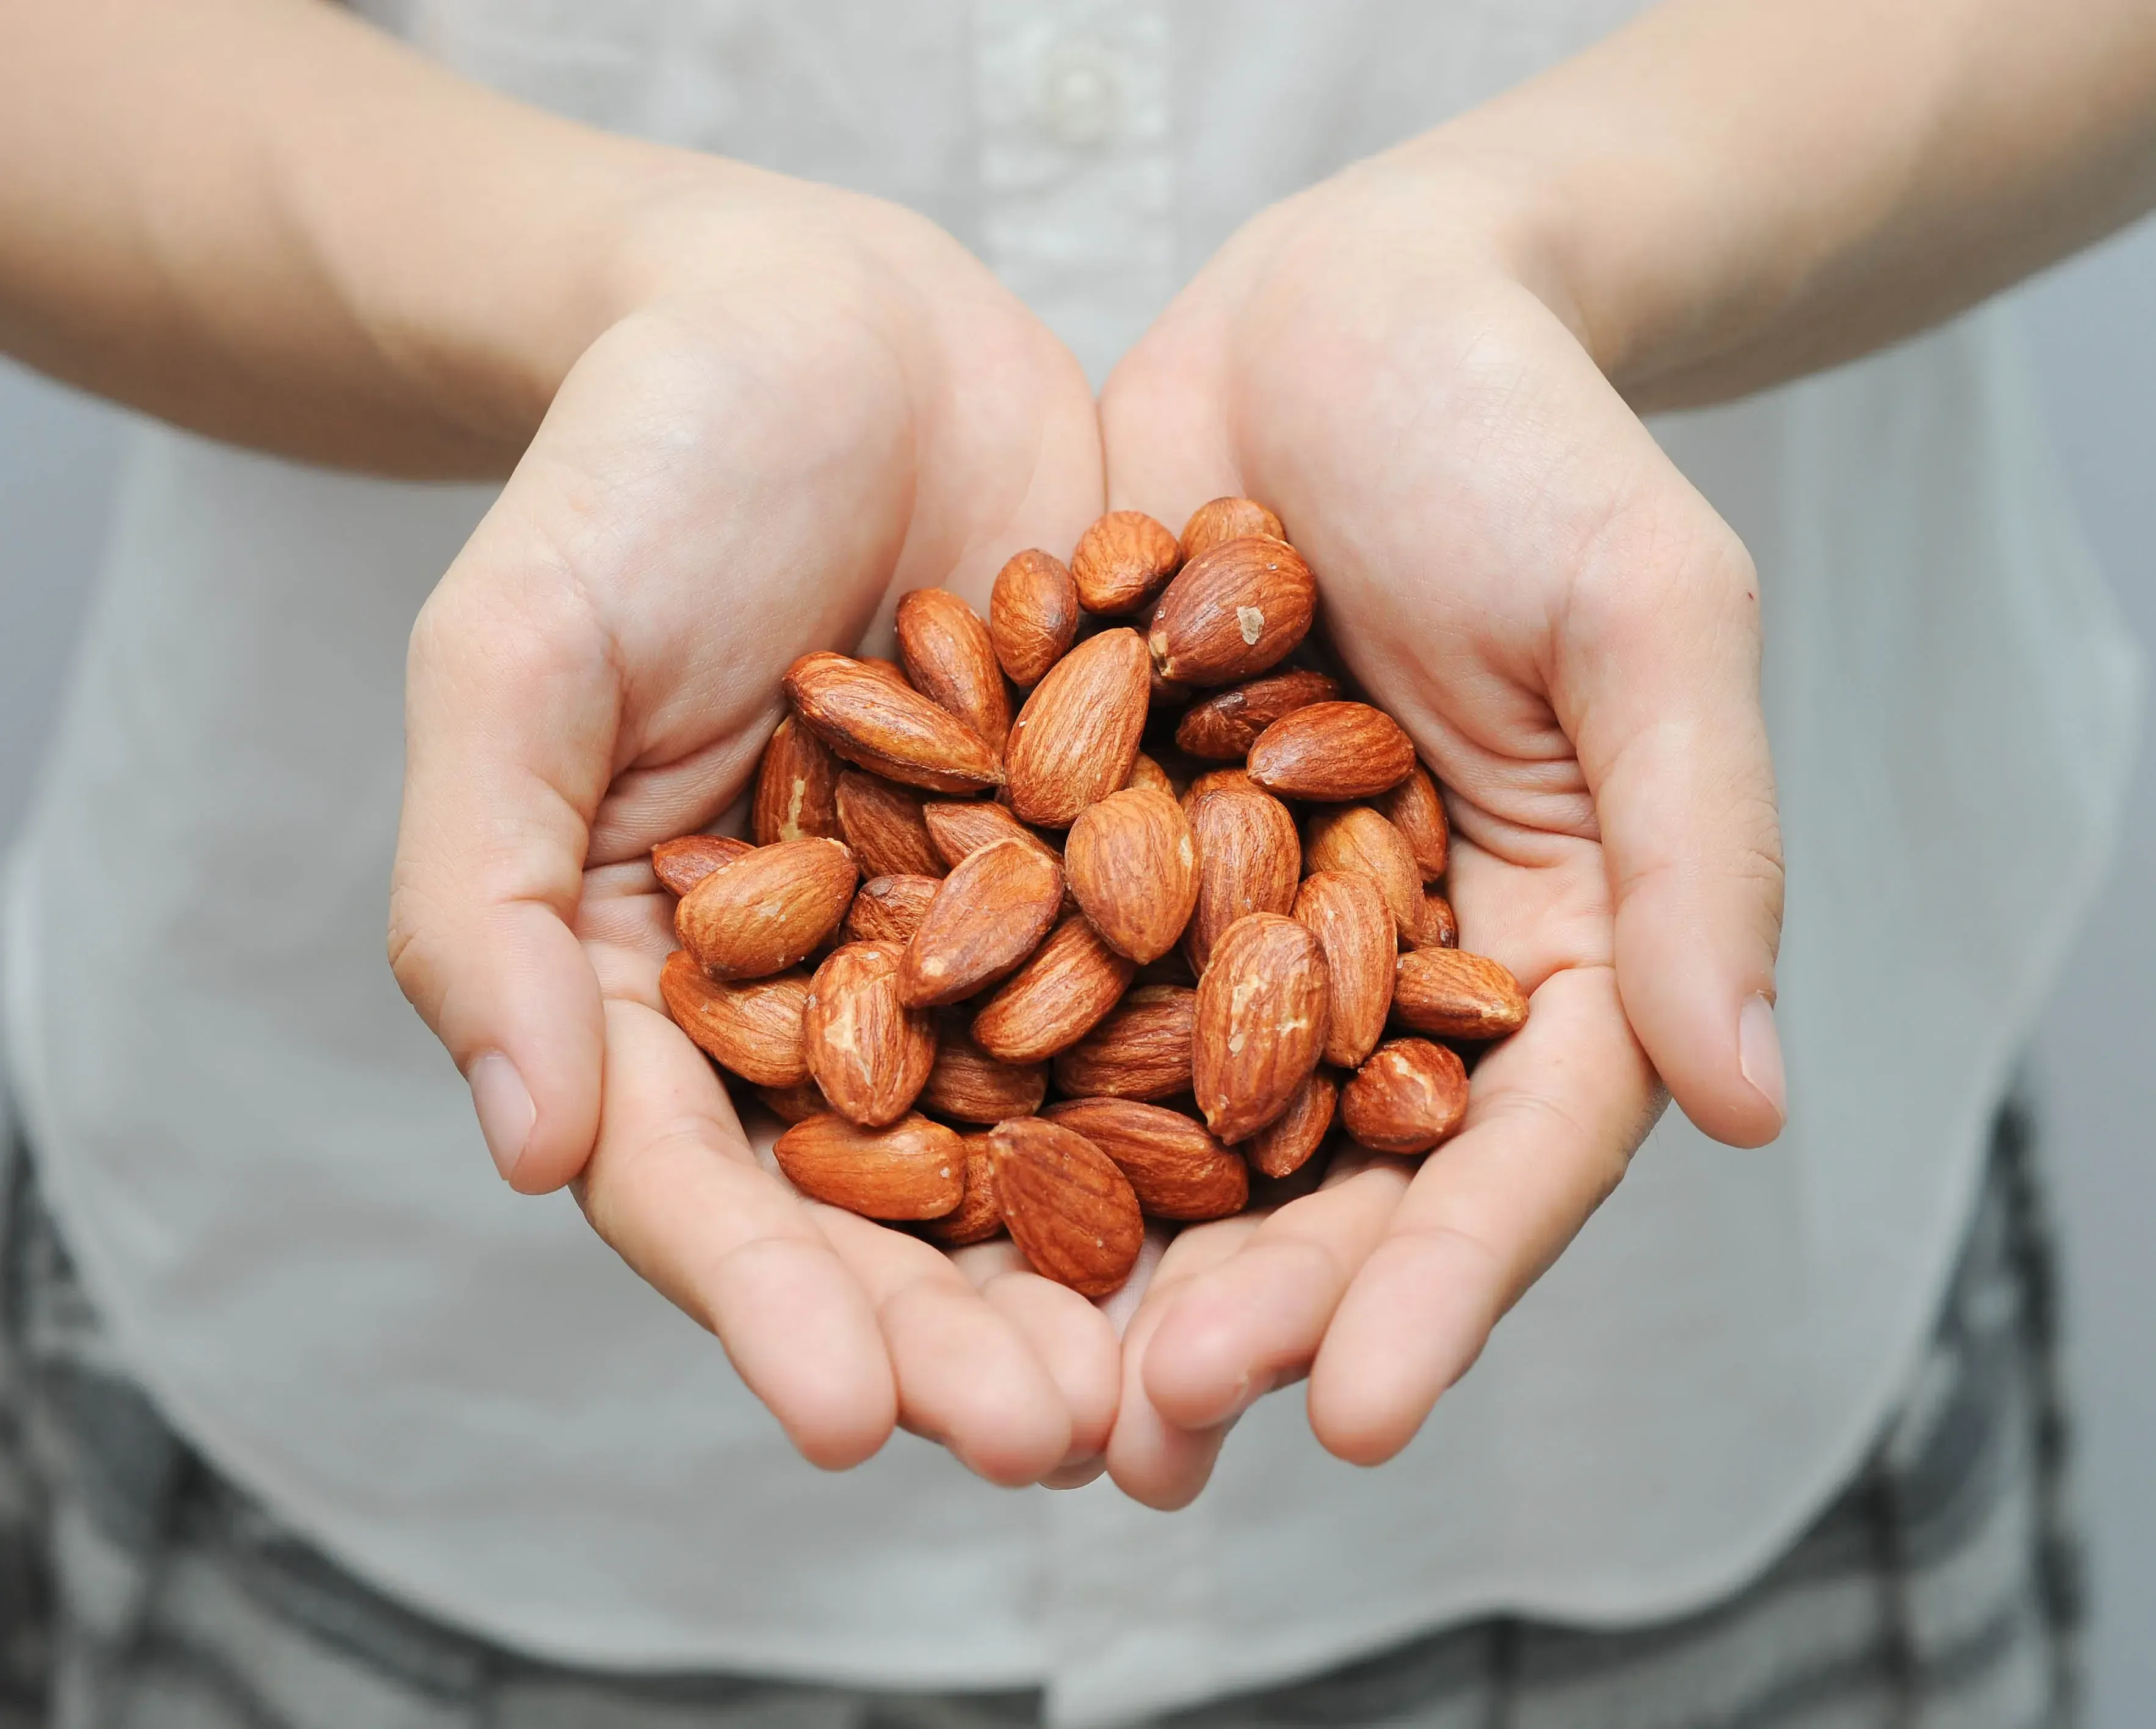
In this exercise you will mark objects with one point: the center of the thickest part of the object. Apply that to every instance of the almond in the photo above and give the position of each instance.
(1260, 1023)
(1178, 1170)
(1284, 1145)
(869, 1052)
(769, 909)
(1069, 1208)
(1331, 752)
(1056, 998)
(1144, 772)
(1033, 615)
(1440, 928)
(1232, 612)
(755, 1028)
(1228, 519)
(993, 911)
(1141, 1050)
(889, 909)
(1133, 868)
(793, 788)
(1225, 726)
(890, 671)
(913, 1169)
(1417, 811)
(680, 865)
(1122, 561)
(977, 1217)
(1248, 857)
(874, 719)
(956, 829)
(793, 1105)
(1456, 994)
(1355, 837)
(884, 826)
(950, 660)
(1344, 911)
(1268, 1193)
(1074, 740)
(971, 1085)
(1410, 1095)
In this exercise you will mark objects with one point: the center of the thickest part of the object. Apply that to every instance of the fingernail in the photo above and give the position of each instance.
(1759, 1054)
(505, 1107)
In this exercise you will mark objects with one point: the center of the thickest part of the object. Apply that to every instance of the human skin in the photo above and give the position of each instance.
(262, 220)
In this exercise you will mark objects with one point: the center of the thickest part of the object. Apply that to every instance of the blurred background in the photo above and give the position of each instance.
(2092, 325)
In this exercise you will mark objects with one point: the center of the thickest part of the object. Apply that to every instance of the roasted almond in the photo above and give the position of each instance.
(793, 788)
(950, 659)
(1074, 1214)
(971, 1085)
(869, 1052)
(877, 721)
(793, 1105)
(1410, 1095)
(1456, 994)
(1331, 752)
(889, 909)
(890, 671)
(913, 1169)
(1122, 561)
(1140, 1050)
(1179, 1171)
(1221, 519)
(977, 1217)
(1144, 772)
(1417, 811)
(1033, 615)
(956, 829)
(754, 1027)
(680, 865)
(1284, 1145)
(1225, 725)
(1440, 928)
(1060, 993)
(1260, 1023)
(993, 911)
(1076, 739)
(1355, 837)
(884, 826)
(1232, 612)
(1249, 858)
(1344, 911)
(769, 909)
(1133, 867)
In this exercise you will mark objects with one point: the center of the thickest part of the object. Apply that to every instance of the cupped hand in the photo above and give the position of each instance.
(1512, 568)
(815, 401)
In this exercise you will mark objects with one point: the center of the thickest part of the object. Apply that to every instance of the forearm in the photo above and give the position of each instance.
(1730, 192)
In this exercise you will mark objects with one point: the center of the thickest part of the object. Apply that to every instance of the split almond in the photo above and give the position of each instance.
(1228, 519)
(1056, 998)
(1133, 868)
(971, 1085)
(1122, 561)
(913, 1169)
(769, 909)
(1331, 752)
(1284, 1145)
(680, 865)
(1232, 612)
(1260, 1023)
(1033, 615)
(993, 911)
(884, 826)
(1409, 1096)
(877, 721)
(1072, 1212)
(1455, 995)
(793, 788)
(977, 1217)
(1141, 1050)
(950, 659)
(755, 1028)
(1249, 858)
(1076, 739)
(869, 1052)
(889, 909)
(1179, 1171)
(1348, 915)
(1417, 811)
(1225, 726)
(1355, 837)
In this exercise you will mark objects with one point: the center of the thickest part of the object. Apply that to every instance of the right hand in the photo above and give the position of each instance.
(816, 401)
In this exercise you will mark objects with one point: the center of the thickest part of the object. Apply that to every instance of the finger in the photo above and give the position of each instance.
(1073, 1342)
(671, 1184)
(1554, 1114)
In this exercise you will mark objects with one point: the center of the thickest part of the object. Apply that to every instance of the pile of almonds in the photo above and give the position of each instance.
(1049, 908)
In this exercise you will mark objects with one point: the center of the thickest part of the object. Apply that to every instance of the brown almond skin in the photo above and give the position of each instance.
(977, 1217)
(1356, 837)
(1249, 857)
(1178, 1170)
(1260, 1023)
(1140, 1050)
(869, 1052)
(993, 910)
(1331, 752)
(1233, 611)
(956, 829)
(1144, 772)
(1348, 915)
(950, 659)
(890, 671)
(1074, 1214)
(1067, 984)
(1409, 1096)
(680, 865)
(913, 1169)
(1033, 615)
(971, 1085)
(1417, 811)
(794, 788)
(875, 721)
(1225, 726)
(1452, 994)
(755, 1028)
(884, 826)
(1132, 866)
(1076, 739)
(768, 910)
(889, 909)
(1220, 519)
(793, 1105)
(1284, 1145)
(1122, 561)
(1441, 926)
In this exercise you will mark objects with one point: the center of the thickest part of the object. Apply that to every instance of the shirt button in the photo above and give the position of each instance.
(1078, 96)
